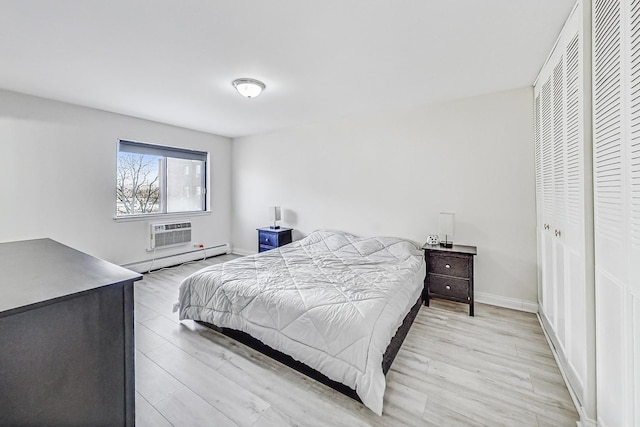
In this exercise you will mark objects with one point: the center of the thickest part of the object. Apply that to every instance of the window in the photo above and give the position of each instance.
(153, 179)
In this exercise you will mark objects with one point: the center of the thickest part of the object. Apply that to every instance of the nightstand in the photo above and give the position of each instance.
(449, 273)
(271, 238)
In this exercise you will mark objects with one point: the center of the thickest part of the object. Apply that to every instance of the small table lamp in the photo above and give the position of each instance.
(274, 215)
(445, 228)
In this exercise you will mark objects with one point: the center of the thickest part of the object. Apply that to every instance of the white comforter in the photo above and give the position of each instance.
(331, 300)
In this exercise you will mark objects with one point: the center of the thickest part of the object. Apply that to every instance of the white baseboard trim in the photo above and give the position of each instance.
(242, 252)
(569, 377)
(175, 259)
(506, 302)
(584, 420)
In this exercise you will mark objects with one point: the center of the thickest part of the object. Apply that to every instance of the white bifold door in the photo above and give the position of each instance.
(564, 204)
(616, 165)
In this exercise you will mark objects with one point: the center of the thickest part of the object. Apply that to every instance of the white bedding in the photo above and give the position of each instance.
(331, 300)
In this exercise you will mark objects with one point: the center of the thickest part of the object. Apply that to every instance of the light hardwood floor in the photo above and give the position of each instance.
(492, 369)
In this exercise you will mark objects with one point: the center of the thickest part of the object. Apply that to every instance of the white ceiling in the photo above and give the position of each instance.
(173, 61)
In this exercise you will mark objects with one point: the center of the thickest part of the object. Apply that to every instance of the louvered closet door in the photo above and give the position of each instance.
(574, 225)
(560, 139)
(634, 201)
(558, 215)
(545, 202)
(616, 122)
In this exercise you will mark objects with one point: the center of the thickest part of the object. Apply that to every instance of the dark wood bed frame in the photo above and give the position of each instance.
(387, 360)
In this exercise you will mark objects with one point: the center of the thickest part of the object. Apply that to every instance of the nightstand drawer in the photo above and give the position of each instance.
(450, 287)
(268, 239)
(263, 248)
(448, 265)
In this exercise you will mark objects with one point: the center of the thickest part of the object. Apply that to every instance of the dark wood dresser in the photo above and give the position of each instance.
(449, 273)
(66, 334)
(271, 238)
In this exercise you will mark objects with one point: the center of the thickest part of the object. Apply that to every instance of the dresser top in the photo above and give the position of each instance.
(461, 249)
(36, 272)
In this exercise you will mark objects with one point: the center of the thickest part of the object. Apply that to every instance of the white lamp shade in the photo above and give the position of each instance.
(274, 213)
(446, 225)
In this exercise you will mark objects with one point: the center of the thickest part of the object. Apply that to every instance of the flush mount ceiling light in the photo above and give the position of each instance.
(249, 88)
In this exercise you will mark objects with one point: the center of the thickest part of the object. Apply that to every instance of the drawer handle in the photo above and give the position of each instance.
(448, 287)
(447, 266)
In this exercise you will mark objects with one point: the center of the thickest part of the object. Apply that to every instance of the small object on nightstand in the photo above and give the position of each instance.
(432, 239)
(270, 238)
(449, 273)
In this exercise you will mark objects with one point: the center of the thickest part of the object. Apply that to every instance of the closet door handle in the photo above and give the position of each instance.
(558, 233)
(546, 226)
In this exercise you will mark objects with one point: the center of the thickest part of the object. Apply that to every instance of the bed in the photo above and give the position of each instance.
(331, 301)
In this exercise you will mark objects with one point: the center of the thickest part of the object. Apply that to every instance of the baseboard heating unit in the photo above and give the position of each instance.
(175, 259)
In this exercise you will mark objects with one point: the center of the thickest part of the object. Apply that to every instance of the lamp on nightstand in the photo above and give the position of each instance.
(274, 215)
(445, 228)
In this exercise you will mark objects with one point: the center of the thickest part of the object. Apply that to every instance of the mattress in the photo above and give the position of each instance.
(331, 300)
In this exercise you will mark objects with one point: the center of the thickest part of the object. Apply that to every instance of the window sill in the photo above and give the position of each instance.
(160, 216)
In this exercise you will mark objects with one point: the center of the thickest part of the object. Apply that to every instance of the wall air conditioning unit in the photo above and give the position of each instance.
(167, 234)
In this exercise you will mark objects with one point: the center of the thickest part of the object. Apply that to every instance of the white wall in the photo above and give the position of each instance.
(57, 177)
(392, 173)
(384, 174)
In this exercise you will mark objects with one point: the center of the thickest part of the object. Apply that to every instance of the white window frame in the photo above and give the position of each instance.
(127, 146)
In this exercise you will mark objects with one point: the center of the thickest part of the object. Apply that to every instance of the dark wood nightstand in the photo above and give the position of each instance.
(271, 238)
(449, 273)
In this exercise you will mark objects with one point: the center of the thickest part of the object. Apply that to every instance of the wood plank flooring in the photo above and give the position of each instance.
(493, 369)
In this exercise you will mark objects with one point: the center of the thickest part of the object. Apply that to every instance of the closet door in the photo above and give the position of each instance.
(616, 121)
(634, 201)
(563, 174)
(548, 297)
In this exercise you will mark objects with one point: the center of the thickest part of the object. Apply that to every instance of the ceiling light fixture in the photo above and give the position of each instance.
(249, 88)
